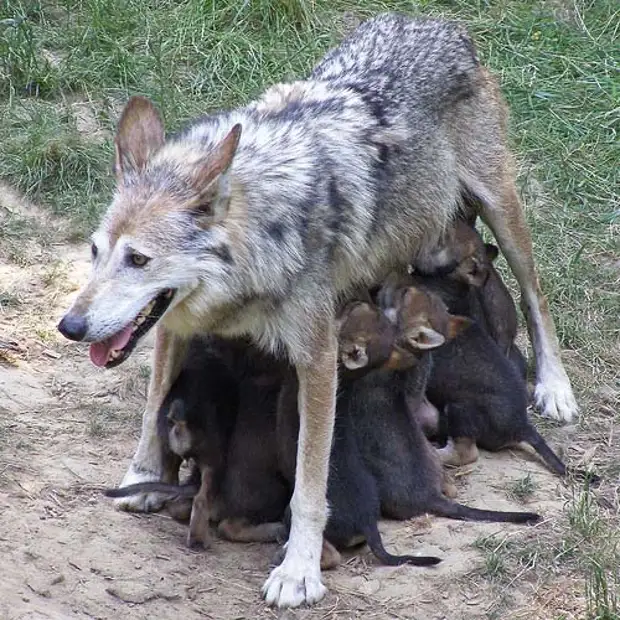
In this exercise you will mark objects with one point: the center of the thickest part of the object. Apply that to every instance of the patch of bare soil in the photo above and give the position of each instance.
(68, 429)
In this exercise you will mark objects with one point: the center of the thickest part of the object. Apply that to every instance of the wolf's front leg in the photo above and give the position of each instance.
(151, 462)
(298, 579)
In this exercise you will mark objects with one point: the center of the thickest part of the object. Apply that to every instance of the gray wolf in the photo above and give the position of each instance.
(254, 221)
(352, 492)
(393, 447)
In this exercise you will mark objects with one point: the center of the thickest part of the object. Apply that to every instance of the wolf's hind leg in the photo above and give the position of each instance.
(553, 394)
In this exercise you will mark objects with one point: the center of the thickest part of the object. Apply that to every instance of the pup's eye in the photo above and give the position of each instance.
(93, 251)
(138, 260)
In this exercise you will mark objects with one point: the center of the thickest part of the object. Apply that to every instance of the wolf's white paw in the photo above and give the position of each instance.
(293, 583)
(144, 502)
(554, 397)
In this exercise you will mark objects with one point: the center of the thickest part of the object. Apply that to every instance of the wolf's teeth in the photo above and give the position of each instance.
(139, 320)
(168, 293)
(115, 354)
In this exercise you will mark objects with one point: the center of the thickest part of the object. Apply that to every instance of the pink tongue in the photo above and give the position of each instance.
(100, 351)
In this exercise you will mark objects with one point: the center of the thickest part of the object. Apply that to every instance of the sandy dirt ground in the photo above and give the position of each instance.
(68, 429)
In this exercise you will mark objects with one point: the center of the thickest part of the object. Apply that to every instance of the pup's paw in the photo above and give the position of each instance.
(144, 502)
(448, 454)
(293, 583)
(554, 398)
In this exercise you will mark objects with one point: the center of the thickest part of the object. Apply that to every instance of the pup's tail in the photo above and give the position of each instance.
(373, 538)
(553, 461)
(447, 508)
(183, 490)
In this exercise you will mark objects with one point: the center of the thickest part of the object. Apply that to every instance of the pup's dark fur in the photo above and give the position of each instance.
(188, 489)
(393, 446)
(480, 392)
(196, 422)
(489, 302)
(255, 494)
(365, 339)
(221, 413)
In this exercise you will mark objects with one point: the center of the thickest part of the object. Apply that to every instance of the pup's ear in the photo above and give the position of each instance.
(140, 134)
(356, 358)
(360, 310)
(355, 315)
(492, 251)
(424, 337)
(457, 324)
(210, 179)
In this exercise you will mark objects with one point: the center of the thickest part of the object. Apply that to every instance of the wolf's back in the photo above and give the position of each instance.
(404, 61)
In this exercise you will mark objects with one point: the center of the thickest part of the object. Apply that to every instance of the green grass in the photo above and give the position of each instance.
(67, 67)
(582, 547)
(522, 489)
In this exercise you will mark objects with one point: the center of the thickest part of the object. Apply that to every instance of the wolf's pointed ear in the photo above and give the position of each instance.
(424, 337)
(457, 324)
(210, 179)
(139, 136)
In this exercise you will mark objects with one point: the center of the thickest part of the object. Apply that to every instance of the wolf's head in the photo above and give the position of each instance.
(165, 237)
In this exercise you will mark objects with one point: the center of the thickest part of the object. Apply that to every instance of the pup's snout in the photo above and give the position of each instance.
(73, 326)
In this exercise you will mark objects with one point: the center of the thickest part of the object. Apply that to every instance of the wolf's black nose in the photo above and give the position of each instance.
(73, 326)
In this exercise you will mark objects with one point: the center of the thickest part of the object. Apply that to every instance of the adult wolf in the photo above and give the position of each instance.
(256, 220)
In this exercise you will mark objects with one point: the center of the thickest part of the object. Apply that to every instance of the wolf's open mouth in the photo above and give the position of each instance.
(116, 349)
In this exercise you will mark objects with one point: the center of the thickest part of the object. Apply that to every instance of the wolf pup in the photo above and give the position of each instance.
(221, 413)
(488, 301)
(365, 340)
(480, 394)
(196, 421)
(254, 221)
(254, 493)
(393, 447)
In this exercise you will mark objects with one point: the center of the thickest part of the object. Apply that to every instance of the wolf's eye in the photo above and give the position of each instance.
(138, 260)
(93, 251)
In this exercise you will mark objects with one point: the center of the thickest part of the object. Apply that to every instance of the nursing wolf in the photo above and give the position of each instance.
(256, 221)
